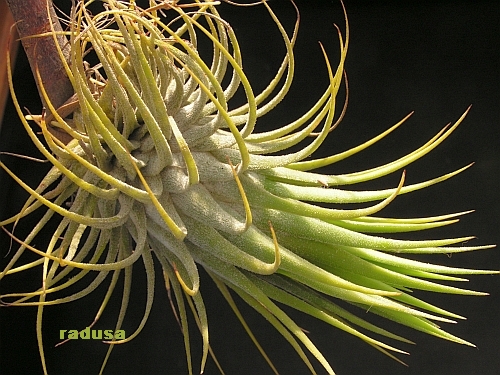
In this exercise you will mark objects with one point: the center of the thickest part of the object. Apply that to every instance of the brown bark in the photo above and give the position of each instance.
(32, 19)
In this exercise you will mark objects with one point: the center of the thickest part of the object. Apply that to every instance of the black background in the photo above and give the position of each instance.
(432, 57)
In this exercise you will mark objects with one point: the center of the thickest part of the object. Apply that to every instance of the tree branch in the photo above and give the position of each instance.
(32, 19)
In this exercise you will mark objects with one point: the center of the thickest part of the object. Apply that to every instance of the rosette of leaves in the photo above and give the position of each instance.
(151, 163)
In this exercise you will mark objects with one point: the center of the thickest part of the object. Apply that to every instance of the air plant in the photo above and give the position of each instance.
(151, 163)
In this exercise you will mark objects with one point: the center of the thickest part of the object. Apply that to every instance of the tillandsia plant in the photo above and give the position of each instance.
(152, 163)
